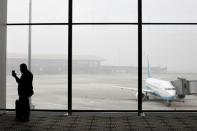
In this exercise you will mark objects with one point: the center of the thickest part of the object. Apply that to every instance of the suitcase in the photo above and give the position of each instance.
(18, 109)
(22, 110)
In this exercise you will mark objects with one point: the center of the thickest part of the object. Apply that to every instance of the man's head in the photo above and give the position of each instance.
(23, 68)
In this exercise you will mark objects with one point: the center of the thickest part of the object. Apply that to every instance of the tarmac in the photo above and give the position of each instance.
(96, 92)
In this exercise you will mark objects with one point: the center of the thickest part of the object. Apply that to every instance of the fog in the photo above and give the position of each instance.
(167, 46)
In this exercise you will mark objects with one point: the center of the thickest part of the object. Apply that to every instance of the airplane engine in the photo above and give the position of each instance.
(144, 96)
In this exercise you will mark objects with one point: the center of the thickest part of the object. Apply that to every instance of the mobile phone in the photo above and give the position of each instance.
(13, 72)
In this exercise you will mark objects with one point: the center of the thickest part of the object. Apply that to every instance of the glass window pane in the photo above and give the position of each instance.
(171, 51)
(104, 67)
(49, 65)
(17, 53)
(169, 11)
(18, 11)
(105, 11)
(49, 11)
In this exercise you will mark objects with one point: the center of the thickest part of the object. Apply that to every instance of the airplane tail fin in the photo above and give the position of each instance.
(149, 72)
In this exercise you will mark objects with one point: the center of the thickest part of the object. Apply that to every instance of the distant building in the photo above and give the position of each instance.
(155, 69)
(42, 64)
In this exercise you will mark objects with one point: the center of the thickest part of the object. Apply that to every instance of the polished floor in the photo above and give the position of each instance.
(50, 121)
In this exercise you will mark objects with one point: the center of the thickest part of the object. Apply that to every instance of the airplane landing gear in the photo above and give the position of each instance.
(168, 103)
(147, 97)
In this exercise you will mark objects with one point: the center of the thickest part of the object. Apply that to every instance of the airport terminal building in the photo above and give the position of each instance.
(82, 64)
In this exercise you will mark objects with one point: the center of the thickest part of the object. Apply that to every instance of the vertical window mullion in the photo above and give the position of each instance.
(30, 42)
(139, 57)
(29, 35)
(70, 57)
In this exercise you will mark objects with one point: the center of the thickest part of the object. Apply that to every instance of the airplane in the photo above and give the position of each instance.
(161, 88)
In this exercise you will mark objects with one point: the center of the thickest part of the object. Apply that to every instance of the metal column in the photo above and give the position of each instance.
(70, 57)
(139, 57)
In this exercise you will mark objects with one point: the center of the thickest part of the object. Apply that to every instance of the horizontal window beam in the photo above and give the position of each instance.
(18, 24)
(50, 110)
(169, 23)
(72, 23)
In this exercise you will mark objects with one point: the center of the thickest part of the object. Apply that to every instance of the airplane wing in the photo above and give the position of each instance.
(124, 87)
(134, 89)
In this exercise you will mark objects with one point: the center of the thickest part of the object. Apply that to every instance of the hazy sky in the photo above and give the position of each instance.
(168, 46)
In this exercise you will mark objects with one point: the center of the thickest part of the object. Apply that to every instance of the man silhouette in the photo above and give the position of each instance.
(25, 91)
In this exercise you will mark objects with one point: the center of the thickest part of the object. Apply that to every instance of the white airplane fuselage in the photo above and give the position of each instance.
(161, 88)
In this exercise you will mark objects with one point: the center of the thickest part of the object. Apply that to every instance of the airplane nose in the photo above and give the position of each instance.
(172, 93)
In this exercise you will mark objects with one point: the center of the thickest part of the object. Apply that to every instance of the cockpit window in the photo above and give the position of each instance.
(170, 88)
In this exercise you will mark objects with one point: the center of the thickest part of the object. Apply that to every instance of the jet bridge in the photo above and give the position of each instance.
(185, 87)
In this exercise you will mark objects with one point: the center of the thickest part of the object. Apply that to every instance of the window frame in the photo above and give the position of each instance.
(70, 25)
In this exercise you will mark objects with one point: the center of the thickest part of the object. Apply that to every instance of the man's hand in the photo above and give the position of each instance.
(15, 76)
(13, 73)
